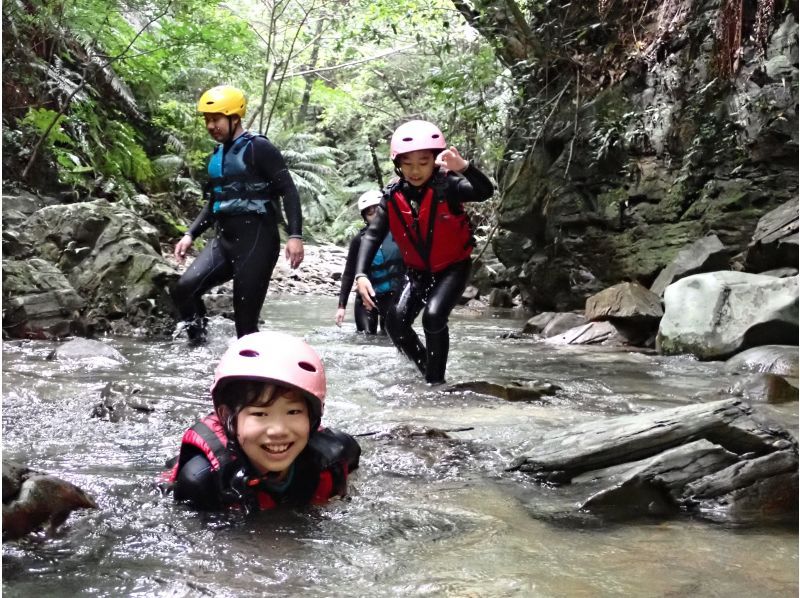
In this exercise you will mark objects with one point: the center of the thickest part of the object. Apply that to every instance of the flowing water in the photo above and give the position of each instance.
(426, 517)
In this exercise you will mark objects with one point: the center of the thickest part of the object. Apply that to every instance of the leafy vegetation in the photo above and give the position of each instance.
(108, 87)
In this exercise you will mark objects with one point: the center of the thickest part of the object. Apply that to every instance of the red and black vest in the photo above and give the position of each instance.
(208, 436)
(434, 237)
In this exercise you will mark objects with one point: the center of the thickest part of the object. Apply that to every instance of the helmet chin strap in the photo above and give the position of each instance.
(230, 129)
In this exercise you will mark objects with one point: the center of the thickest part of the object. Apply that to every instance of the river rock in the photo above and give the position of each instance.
(32, 500)
(592, 333)
(112, 259)
(781, 272)
(500, 298)
(407, 431)
(775, 241)
(772, 359)
(39, 302)
(764, 388)
(713, 460)
(717, 314)
(470, 293)
(120, 401)
(627, 300)
(537, 323)
(85, 348)
(704, 255)
(517, 390)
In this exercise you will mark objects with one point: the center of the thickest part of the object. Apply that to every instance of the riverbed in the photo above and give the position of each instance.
(425, 516)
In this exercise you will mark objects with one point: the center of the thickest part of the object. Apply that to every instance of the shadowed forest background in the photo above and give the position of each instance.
(617, 131)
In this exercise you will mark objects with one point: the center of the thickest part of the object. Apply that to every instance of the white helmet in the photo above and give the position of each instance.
(369, 198)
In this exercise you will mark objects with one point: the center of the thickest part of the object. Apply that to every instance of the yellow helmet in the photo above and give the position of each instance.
(224, 99)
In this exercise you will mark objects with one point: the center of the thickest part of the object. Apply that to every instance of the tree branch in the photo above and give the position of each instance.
(348, 64)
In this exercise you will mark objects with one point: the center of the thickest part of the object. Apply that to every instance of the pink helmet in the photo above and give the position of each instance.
(416, 135)
(274, 357)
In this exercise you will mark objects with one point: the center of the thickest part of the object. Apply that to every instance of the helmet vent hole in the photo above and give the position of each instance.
(248, 353)
(408, 139)
(307, 366)
(435, 136)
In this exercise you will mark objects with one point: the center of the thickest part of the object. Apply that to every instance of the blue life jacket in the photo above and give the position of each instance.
(235, 187)
(387, 272)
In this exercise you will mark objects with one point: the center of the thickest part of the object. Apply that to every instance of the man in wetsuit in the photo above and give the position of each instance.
(246, 173)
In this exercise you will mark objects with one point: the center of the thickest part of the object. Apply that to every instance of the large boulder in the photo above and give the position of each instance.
(704, 255)
(39, 302)
(775, 241)
(718, 314)
(112, 258)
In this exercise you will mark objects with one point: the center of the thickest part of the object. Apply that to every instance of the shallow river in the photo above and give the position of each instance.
(426, 517)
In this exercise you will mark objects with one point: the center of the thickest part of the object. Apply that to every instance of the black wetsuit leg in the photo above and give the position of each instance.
(366, 320)
(246, 250)
(384, 301)
(208, 270)
(252, 244)
(401, 315)
(446, 289)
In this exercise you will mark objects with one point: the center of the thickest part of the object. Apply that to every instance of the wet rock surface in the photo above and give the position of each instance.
(712, 460)
(34, 500)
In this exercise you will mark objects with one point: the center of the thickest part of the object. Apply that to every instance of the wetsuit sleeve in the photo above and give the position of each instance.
(470, 185)
(349, 271)
(270, 165)
(203, 221)
(195, 484)
(373, 237)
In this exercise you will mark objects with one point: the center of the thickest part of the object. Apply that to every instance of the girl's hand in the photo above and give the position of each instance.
(339, 317)
(452, 160)
(366, 291)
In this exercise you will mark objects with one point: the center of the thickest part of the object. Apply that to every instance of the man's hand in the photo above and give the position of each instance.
(181, 247)
(294, 252)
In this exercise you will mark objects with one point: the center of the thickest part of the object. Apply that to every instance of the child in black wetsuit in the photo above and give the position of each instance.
(387, 273)
(263, 445)
(424, 212)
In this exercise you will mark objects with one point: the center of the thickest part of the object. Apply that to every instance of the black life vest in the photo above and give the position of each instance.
(434, 237)
(209, 437)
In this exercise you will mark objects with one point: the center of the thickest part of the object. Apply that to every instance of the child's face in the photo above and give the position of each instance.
(218, 126)
(272, 436)
(417, 167)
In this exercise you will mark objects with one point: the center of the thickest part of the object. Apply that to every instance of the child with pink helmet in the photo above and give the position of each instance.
(263, 445)
(425, 214)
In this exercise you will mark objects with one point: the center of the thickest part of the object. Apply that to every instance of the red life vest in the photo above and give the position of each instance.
(433, 238)
(209, 437)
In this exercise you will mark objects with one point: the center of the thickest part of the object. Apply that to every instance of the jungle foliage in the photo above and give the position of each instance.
(101, 91)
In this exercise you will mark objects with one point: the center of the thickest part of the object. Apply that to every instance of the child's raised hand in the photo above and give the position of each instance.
(452, 160)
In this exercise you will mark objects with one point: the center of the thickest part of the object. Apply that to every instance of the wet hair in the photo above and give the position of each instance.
(237, 395)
